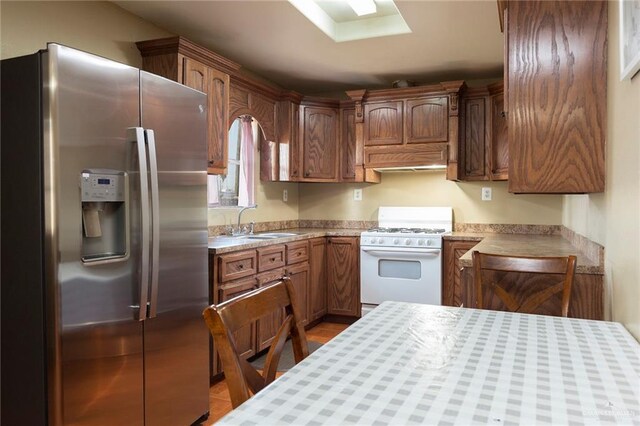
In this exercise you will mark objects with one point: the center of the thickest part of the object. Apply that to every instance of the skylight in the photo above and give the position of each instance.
(340, 22)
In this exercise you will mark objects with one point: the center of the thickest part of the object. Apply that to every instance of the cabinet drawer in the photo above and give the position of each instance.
(271, 257)
(236, 288)
(297, 252)
(237, 265)
(270, 276)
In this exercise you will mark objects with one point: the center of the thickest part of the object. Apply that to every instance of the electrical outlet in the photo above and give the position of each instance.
(357, 194)
(486, 194)
(285, 195)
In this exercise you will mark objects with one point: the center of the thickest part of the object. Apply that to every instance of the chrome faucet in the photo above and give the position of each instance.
(240, 231)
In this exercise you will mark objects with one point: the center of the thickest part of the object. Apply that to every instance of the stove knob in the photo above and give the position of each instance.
(407, 242)
(420, 242)
(429, 242)
(396, 241)
(380, 241)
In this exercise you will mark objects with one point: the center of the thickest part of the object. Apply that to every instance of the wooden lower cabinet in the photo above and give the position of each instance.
(318, 279)
(308, 263)
(343, 276)
(299, 276)
(246, 336)
(451, 279)
(267, 326)
(587, 293)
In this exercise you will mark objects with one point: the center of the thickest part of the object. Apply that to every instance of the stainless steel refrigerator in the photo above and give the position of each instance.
(104, 244)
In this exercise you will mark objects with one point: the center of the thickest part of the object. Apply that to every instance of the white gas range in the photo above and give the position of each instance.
(401, 260)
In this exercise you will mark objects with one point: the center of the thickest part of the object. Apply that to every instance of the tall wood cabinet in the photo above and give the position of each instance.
(557, 95)
(180, 60)
(343, 275)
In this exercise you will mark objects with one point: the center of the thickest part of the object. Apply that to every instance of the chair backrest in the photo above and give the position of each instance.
(519, 298)
(226, 318)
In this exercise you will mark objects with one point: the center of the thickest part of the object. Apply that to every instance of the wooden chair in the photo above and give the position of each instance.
(226, 318)
(517, 298)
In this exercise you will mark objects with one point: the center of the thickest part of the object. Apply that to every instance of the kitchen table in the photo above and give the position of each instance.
(408, 363)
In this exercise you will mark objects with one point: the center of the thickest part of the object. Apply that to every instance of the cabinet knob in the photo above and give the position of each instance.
(211, 162)
(306, 174)
(241, 266)
(273, 259)
(503, 114)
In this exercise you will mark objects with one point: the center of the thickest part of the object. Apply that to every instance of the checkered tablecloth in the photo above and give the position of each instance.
(408, 364)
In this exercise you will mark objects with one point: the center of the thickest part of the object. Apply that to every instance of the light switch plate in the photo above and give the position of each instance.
(486, 194)
(285, 195)
(357, 195)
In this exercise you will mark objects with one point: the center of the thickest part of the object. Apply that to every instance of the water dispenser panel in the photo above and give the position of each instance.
(102, 186)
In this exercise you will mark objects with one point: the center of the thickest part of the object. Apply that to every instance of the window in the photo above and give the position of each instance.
(237, 187)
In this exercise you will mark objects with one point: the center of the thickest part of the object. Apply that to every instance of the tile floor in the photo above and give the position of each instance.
(219, 402)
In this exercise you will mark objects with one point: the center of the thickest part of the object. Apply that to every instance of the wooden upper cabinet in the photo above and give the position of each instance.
(499, 142)
(427, 120)
(475, 139)
(181, 60)
(216, 85)
(319, 136)
(557, 78)
(348, 144)
(383, 123)
(484, 152)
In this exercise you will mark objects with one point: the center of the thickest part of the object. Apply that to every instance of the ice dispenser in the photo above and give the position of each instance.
(104, 215)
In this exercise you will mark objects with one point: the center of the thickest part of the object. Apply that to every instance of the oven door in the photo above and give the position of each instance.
(400, 274)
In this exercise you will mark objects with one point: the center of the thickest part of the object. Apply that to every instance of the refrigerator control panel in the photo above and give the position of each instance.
(102, 186)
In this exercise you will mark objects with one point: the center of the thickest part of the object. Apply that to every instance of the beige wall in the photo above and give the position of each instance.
(613, 218)
(330, 201)
(101, 28)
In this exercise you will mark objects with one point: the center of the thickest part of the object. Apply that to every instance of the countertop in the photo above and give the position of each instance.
(231, 245)
(510, 244)
(530, 245)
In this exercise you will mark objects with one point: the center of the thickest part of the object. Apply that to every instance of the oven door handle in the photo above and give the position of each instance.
(400, 250)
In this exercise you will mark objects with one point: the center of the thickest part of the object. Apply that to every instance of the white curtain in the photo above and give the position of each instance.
(247, 160)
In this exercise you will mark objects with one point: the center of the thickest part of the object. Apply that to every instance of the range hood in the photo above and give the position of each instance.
(411, 168)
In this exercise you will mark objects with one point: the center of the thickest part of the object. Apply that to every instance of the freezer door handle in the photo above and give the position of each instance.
(155, 221)
(137, 137)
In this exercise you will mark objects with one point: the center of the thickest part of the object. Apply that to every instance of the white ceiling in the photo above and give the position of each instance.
(449, 40)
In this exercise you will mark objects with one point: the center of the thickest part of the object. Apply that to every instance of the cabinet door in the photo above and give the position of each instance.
(475, 138)
(320, 143)
(348, 144)
(343, 272)
(318, 279)
(267, 326)
(557, 90)
(246, 336)
(451, 278)
(383, 123)
(216, 85)
(299, 275)
(499, 147)
(427, 120)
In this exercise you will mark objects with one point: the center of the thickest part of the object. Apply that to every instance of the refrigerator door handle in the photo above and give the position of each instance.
(137, 137)
(155, 222)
